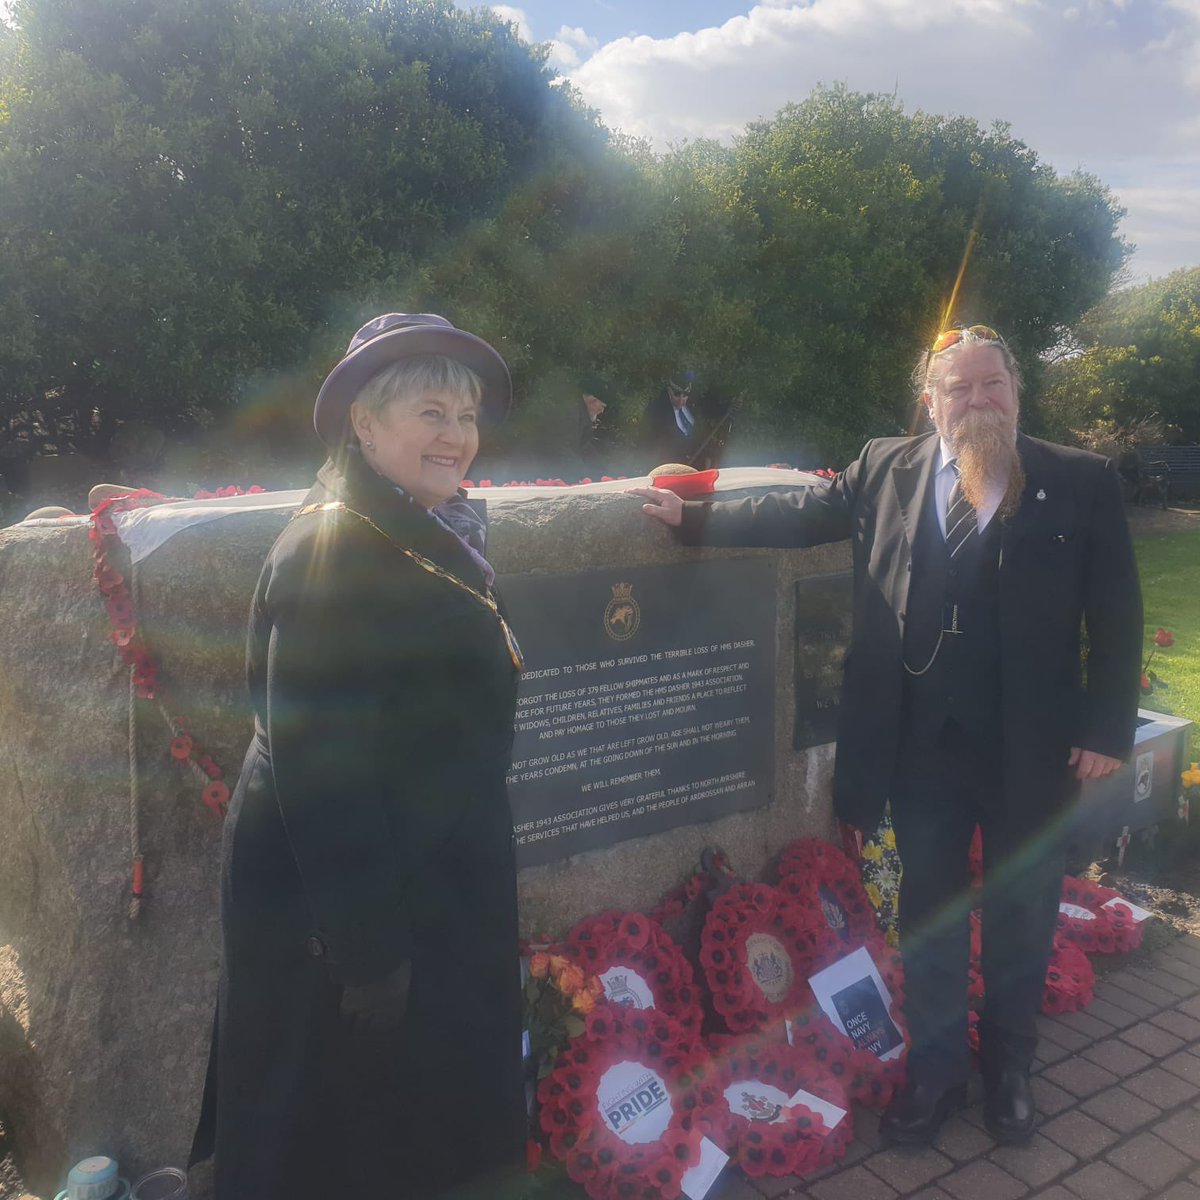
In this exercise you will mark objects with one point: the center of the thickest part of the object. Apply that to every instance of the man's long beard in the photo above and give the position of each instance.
(985, 447)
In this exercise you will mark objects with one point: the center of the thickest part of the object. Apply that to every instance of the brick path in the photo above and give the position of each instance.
(1118, 1092)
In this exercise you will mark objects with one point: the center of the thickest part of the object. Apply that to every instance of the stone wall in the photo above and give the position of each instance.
(104, 1021)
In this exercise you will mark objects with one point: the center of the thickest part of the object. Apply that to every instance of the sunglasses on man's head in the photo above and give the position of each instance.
(951, 337)
(686, 390)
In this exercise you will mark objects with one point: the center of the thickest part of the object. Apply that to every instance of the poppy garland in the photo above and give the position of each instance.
(757, 950)
(622, 1107)
(638, 964)
(759, 1127)
(130, 644)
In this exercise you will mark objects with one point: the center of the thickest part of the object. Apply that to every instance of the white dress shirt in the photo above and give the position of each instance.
(943, 482)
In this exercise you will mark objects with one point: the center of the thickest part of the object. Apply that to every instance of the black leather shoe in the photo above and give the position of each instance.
(916, 1113)
(1008, 1110)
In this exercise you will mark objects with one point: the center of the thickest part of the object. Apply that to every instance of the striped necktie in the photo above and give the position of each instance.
(961, 520)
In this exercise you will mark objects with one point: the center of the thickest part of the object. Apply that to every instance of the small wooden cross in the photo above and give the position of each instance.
(1183, 808)
(1122, 843)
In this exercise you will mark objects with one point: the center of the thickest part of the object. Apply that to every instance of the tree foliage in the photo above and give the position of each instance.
(200, 198)
(1138, 359)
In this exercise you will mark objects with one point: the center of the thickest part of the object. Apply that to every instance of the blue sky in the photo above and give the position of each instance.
(607, 20)
(1109, 86)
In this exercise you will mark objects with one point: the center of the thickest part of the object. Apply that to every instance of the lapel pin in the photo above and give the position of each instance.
(1041, 493)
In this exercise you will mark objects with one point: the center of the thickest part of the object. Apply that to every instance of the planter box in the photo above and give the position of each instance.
(1144, 792)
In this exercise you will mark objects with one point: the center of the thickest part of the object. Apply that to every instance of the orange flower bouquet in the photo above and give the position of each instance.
(559, 995)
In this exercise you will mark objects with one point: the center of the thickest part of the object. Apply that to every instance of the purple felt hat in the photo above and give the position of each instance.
(394, 336)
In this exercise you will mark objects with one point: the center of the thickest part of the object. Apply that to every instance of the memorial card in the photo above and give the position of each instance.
(854, 997)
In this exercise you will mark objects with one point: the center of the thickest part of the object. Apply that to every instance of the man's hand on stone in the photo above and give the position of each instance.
(661, 504)
(1090, 765)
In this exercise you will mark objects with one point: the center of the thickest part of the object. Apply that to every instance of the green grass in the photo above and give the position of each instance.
(1170, 569)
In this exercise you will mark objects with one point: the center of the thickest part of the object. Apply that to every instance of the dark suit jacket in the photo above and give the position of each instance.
(661, 435)
(1066, 560)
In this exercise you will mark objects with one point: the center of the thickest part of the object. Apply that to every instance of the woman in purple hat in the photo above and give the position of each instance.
(369, 1019)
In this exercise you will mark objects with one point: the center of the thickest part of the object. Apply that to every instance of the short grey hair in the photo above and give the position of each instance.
(928, 371)
(418, 376)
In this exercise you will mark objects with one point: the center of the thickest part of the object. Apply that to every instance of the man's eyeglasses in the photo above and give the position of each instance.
(951, 337)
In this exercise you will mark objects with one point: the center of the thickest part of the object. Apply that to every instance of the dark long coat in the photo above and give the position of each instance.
(1066, 559)
(370, 826)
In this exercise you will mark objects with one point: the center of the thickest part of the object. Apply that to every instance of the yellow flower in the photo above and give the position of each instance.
(582, 1002)
(557, 963)
(539, 966)
(595, 987)
(570, 980)
(871, 852)
(893, 938)
(889, 838)
(874, 895)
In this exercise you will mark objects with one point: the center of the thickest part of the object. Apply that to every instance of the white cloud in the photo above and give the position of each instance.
(518, 17)
(570, 46)
(1107, 85)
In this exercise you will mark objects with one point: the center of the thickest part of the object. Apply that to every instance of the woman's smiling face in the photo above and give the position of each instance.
(423, 443)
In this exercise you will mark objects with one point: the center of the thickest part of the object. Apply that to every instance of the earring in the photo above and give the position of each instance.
(369, 445)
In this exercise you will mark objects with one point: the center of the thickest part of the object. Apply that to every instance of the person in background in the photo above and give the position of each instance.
(671, 432)
(369, 1016)
(979, 555)
(597, 435)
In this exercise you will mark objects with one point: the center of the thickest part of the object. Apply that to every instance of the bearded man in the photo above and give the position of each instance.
(979, 555)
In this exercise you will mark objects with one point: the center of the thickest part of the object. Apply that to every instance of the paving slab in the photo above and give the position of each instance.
(1166, 980)
(962, 1140)
(1150, 992)
(1086, 1022)
(1183, 1190)
(1180, 1024)
(1119, 1018)
(1149, 1160)
(1110, 992)
(1179, 967)
(909, 1168)
(1079, 1134)
(1185, 1064)
(1161, 1087)
(1100, 1181)
(1190, 1008)
(855, 1183)
(1121, 1110)
(1049, 1097)
(1152, 1039)
(1049, 1029)
(1118, 1056)
(1182, 1130)
(983, 1179)
(1035, 1164)
(1079, 1077)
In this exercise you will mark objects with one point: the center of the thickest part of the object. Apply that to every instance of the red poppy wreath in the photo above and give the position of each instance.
(1096, 919)
(638, 964)
(818, 876)
(621, 1106)
(821, 879)
(782, 1112)
(757, 951)
(866, 1078)
(1070, 980)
